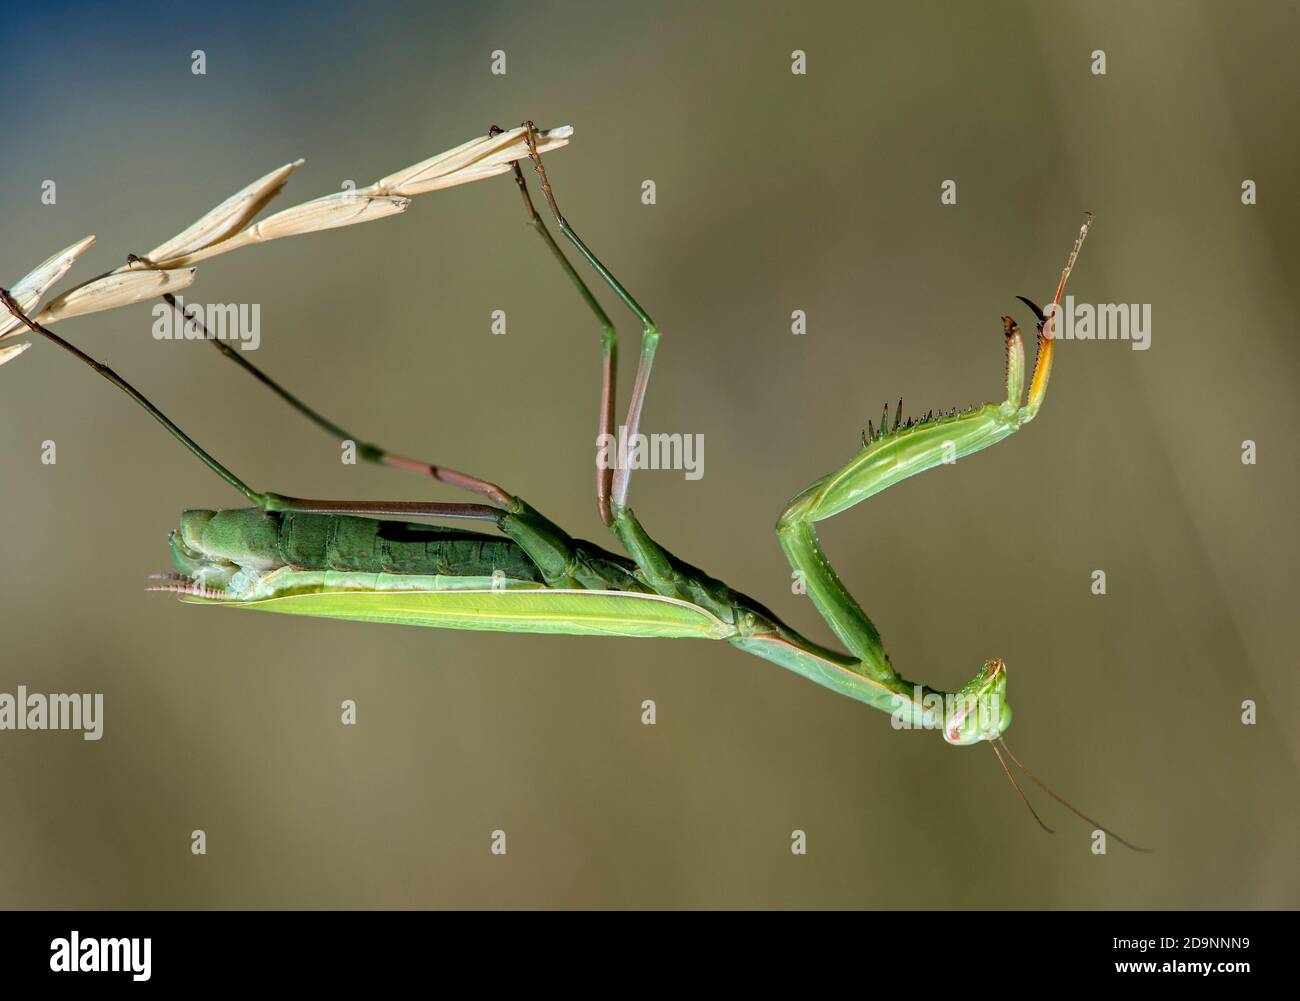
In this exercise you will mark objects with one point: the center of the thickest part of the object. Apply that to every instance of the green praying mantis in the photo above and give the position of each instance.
(345, 560)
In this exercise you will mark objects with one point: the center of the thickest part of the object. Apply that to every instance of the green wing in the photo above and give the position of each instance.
(531, 610)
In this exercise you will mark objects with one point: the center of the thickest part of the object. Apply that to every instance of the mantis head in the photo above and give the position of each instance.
(981, 711)
(220, 554)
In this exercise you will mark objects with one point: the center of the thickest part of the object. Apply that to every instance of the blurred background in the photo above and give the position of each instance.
(774, 192)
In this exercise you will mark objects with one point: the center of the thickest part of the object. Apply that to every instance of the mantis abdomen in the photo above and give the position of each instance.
(237, 552)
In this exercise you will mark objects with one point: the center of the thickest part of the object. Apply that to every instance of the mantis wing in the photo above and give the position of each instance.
(533, 610)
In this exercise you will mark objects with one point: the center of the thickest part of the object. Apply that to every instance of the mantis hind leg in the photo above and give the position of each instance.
(367, 451)
(543, 542)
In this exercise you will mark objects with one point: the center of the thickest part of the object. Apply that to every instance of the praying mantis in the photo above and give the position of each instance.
(345, 560)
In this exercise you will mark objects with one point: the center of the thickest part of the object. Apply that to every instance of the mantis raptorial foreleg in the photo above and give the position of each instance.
(894, 454)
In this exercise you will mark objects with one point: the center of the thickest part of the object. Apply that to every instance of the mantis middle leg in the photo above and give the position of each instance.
(660, 569)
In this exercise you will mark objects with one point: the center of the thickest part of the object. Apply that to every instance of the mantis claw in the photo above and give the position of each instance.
(1038, 312)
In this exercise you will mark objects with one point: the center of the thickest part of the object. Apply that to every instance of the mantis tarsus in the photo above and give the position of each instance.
(332, 559)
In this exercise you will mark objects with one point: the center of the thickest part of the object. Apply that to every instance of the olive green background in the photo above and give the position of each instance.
(775, 192)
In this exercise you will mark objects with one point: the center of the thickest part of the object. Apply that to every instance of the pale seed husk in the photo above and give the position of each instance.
(29, 290)
(343, 208)
(112, 291)
(471, 161)
(12, 351)
(227, 218)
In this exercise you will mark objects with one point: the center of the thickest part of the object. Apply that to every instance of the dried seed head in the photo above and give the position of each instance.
(211, 235)
(115, 290)
(12, 351)
(29, 289)
(486, 156)
(167, 268)
(227, 218)
(343, 208)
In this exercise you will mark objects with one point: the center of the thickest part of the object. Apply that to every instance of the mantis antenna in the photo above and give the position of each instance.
(1056, 796)
(1023, 798)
